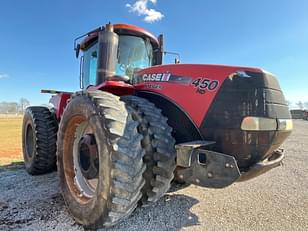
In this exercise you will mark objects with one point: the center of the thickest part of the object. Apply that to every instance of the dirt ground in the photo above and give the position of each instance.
(277, 200)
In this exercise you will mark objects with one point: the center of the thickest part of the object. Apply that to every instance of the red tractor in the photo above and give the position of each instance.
(136, 125)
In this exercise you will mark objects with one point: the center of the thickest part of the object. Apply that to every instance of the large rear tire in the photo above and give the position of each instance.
(99, 159)
(158, 144)
(39, 136)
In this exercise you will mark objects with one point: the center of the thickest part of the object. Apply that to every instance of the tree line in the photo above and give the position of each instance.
(298, 105)
(19, 107)
(14, 107)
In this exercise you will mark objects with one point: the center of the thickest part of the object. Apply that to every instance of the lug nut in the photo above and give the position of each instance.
(197, 181)
(210, 175)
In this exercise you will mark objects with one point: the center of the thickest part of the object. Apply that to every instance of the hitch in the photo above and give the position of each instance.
(205, 168)
(217, 170)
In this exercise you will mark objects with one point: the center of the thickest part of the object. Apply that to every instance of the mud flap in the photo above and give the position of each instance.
(206, 168)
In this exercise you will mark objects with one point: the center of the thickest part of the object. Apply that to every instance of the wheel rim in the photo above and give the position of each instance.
(81, 160)
(29, 141)
(86, 164)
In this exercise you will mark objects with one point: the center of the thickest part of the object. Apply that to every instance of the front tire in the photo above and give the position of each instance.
(99, 159)
(159, 146)
(39, 136)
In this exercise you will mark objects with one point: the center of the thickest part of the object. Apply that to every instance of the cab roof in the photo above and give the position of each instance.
(121, 29)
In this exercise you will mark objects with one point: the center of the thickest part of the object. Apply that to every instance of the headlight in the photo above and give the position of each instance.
(251, 123)
(258, 124)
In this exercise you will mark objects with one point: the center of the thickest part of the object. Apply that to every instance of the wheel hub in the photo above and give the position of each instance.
(88, 156)
(29, 141)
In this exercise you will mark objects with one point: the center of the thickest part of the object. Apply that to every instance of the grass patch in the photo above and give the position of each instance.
(10, 140)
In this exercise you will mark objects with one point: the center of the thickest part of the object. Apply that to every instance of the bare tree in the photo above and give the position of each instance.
(23, 103)
(300, 105)
(306, 105)
(8, 108)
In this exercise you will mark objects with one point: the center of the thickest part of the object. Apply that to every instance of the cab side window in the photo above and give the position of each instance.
(90, 66)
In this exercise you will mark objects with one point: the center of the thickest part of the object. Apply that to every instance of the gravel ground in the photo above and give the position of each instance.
(277, 200)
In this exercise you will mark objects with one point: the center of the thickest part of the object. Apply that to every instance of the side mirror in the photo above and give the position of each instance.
(177, 58)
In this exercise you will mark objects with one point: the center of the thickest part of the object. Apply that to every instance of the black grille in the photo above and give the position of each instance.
(258, 95)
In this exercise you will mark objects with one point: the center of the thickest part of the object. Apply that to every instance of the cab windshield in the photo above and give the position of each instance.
(134, 53)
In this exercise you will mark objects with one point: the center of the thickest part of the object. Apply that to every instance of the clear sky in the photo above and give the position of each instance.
(36, 38)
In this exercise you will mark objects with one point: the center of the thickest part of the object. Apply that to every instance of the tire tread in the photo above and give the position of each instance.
(45, 127)
(158, 144)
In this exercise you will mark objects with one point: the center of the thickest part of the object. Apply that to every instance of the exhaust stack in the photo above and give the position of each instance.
(107, 53)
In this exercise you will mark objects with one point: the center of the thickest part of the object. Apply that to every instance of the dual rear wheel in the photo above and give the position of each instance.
(112, 153)
(39, 136)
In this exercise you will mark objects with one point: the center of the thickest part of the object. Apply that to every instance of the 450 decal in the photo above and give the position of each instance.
(203, 84)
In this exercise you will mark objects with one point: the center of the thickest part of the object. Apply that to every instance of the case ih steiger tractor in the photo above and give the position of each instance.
(136, 125)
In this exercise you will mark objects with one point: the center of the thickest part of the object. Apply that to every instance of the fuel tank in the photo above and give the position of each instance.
(242, 109)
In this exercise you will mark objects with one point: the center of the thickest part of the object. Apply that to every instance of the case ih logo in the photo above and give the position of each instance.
(156, 77)
(162, 78)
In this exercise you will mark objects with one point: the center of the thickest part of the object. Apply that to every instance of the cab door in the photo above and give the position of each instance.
(89, 66)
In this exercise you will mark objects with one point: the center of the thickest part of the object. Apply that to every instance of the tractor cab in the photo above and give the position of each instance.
(116, 52)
